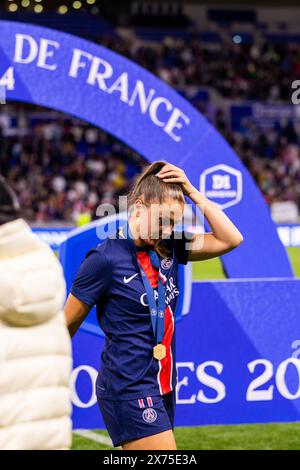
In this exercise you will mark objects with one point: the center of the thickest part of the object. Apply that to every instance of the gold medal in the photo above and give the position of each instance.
(159, 351)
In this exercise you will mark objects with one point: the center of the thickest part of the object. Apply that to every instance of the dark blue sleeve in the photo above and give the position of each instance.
(181, 242)
(92, 278)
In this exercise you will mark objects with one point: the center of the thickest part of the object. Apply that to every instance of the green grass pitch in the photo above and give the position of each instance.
(277, 436)
(283, 436)
(212, 268)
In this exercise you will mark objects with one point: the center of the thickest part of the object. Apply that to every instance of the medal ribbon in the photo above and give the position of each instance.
(157, 309)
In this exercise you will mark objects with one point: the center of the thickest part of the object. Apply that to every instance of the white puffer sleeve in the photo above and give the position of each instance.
(32, 288)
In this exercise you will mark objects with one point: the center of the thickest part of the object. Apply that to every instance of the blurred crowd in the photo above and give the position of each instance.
(62, 167)
(271, 155)
(259, 70)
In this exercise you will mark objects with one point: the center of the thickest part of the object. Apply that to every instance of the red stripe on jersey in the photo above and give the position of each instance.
(163, 278)
(166, 364)
(149, 401)
(150, 271)
(141, 403)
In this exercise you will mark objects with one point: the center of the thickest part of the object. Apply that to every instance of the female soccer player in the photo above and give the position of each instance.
(132, 278)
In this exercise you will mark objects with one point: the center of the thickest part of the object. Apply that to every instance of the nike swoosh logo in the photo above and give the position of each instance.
(128, 279)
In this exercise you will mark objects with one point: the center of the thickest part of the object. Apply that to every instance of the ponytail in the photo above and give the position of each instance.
(151, 189)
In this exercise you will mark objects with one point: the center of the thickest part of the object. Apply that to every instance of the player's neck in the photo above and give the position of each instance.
(139, 242)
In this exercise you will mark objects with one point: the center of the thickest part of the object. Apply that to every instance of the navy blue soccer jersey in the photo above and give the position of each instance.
(109, 277)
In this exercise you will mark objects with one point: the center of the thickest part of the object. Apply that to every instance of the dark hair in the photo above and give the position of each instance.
(151, 189)
(9, 204)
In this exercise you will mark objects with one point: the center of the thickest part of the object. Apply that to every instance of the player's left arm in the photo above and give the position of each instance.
(224, 236)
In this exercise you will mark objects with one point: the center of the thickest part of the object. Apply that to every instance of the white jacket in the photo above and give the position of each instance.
(35, 349)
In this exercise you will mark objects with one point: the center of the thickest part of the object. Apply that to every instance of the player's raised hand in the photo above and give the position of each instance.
(173, 174)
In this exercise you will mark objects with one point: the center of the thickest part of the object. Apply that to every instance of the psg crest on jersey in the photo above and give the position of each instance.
(166, 263)
(149, 415)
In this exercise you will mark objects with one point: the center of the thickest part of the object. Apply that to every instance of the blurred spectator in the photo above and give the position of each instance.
(35, 348)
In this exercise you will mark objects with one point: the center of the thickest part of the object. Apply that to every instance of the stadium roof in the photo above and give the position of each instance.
(120, 5)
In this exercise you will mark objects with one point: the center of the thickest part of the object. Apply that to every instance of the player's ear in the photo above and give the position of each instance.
(138, 203)
(137, 207)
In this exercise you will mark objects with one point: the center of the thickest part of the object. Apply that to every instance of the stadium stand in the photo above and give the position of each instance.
(61, 166)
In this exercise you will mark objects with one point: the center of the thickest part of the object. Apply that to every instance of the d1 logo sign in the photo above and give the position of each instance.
(222, 184)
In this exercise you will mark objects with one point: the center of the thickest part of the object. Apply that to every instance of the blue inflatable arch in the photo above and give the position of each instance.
(63, 72)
